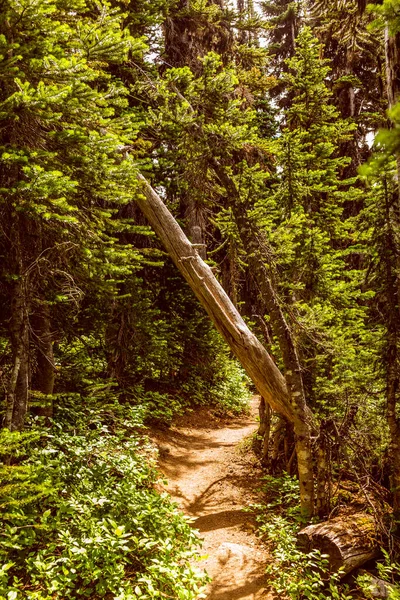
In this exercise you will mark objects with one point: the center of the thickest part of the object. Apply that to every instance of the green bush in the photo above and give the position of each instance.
(98, 529)
(297, 575)
(293, 574)
(389, 571)
(227, 390)
(210, 377)
(230, 392)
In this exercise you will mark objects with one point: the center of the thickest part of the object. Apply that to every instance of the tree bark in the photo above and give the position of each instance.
(264, 431)
(349, 541)
(323, 474)
(392, 57)
(44, 376)
(394, 428)
(252, 355)
(250, 352)
(391, 257)
(22, 388)
(18, 386)
(195, 227)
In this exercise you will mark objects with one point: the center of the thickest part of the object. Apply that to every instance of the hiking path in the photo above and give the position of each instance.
(213, 475)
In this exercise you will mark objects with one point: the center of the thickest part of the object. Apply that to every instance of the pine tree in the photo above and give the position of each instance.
(380, 221)
(382, 173)
(295, 239)
(284, 18)
(64, 121)
(356, 54)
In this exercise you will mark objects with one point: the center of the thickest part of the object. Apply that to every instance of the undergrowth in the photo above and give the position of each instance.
(227, 390)
(228, 393)
(389, 572)
(170, 380)
(293, 574)
(81, 517)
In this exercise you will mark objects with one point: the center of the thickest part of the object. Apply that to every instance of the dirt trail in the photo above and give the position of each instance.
(212, 481)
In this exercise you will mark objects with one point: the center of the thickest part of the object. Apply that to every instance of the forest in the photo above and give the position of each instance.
(199, 202)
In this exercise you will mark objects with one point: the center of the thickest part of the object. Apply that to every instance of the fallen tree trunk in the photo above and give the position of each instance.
(266, 376)
(349, 541)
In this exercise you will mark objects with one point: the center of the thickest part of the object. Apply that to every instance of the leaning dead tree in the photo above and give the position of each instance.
(337, 539)
(258, 253)
(244, 344)
(265, 375)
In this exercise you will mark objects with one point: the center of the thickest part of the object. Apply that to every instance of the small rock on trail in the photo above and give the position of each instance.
(212, 481)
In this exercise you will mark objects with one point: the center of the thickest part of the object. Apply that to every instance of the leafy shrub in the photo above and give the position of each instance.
(209, 377)
(18, 483)
(294, 575)
(99, 528)
(389, 571)
(160, 407)
(297, 575)
(282, 492)
(227, 391)
(230, 392)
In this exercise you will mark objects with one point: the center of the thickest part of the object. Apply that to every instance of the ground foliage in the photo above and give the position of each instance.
(296, 575)
(87, 521)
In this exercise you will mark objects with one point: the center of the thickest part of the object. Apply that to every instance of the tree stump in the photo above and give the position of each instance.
(349, 541)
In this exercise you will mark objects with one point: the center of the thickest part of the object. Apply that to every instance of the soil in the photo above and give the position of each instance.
(213, 475)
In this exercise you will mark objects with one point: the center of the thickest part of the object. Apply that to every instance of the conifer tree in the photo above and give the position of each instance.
(64, 120)
(285, 19)
(299, 264)
(382, 173)
(381, 215)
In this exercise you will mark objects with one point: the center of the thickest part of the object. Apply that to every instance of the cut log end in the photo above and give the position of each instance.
(348, 541)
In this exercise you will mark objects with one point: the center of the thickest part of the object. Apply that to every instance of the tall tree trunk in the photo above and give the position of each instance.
(323, 474)
(392, 358)
(243, 343)
(264, 431)
(393, 381)
(250, 237)
(392, 57)
(18, 386)
(195, 226)
(278, 435)
(44, 376)
(230, 272)
(392, 259)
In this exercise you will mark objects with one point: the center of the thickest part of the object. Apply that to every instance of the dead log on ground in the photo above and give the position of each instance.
(349, 541)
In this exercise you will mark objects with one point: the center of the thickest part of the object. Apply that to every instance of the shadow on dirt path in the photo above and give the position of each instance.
(212, 480)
